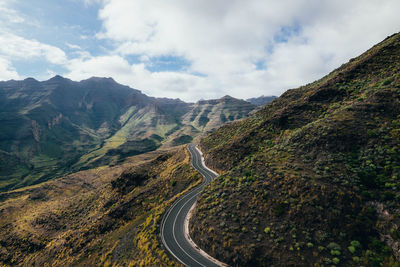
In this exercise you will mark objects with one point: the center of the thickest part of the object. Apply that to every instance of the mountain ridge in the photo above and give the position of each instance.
(59, 126)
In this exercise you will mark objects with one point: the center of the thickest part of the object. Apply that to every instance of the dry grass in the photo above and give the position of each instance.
(83, 219)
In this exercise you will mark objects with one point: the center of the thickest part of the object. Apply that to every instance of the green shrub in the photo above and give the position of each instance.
(355, 244)
(334, 246)
(335, 260)
(387, 81)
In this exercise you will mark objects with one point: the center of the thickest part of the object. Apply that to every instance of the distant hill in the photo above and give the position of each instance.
(261, 101)
(58, 126)
(312, 179)
(208, 115)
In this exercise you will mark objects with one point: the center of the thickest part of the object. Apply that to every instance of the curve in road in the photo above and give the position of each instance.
(173, 223)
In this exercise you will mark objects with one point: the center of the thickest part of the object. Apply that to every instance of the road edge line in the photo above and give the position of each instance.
(194, 245)
(203, 160)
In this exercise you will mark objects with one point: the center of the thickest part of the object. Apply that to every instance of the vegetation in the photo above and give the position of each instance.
(105, 216)
(312, 179)
(57, 127)
(261, 101)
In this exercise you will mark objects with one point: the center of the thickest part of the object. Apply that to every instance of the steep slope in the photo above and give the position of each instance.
(313, 177)
(59, 126)
(207, 115)
(261, 101)
(101, 217)
(47, 126)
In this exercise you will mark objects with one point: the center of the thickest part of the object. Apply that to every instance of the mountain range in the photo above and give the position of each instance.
(59, 126)
(310, 179)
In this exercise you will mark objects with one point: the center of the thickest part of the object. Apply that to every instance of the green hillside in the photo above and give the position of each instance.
(312, 178)
(56, 127)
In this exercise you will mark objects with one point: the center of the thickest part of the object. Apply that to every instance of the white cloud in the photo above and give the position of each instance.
(7, 72)
(73, 46)
(15, 47)
(159, 84)
(9, 15)
(226, 39)
(242, 48)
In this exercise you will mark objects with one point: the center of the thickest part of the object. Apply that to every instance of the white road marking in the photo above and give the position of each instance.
(187, 198)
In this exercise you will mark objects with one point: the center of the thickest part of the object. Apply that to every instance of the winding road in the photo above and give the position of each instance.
(173, 233)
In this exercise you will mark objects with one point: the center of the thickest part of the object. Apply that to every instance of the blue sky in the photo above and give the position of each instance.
(190, 49)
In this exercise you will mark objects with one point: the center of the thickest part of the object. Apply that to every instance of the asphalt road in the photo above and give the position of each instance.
(172, 226)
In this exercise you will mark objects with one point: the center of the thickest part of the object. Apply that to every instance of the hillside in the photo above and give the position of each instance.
(59, 126)
(312, 178)
(208, 115)
(101, 217)
(261, 101)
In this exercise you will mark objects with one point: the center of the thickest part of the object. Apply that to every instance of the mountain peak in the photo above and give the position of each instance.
(57, 77)
(30, 80)
(100, 79)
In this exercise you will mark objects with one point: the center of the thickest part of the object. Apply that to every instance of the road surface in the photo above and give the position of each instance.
(172, 226)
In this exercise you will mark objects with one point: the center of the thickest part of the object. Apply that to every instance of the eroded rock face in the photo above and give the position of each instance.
(388, 227)
(58, 126)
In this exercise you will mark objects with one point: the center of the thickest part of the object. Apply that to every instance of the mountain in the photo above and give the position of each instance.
(312, 178)
(208, 115)
(261, 101)
(59, 126)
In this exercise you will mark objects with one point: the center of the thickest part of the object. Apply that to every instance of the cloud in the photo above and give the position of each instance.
(204, 49)
(159, 84)
(9, 15)
(73, 46)
(7, 72)
(227, 41)
(16, 47)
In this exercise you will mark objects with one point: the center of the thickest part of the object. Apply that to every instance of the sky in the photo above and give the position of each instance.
(190, 49)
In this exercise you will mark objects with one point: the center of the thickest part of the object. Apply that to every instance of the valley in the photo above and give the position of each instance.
(95, 173)
(56, 127)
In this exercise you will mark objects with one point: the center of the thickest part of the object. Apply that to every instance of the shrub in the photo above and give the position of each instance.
(335, 260)
(355, 244)
(334, 246)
